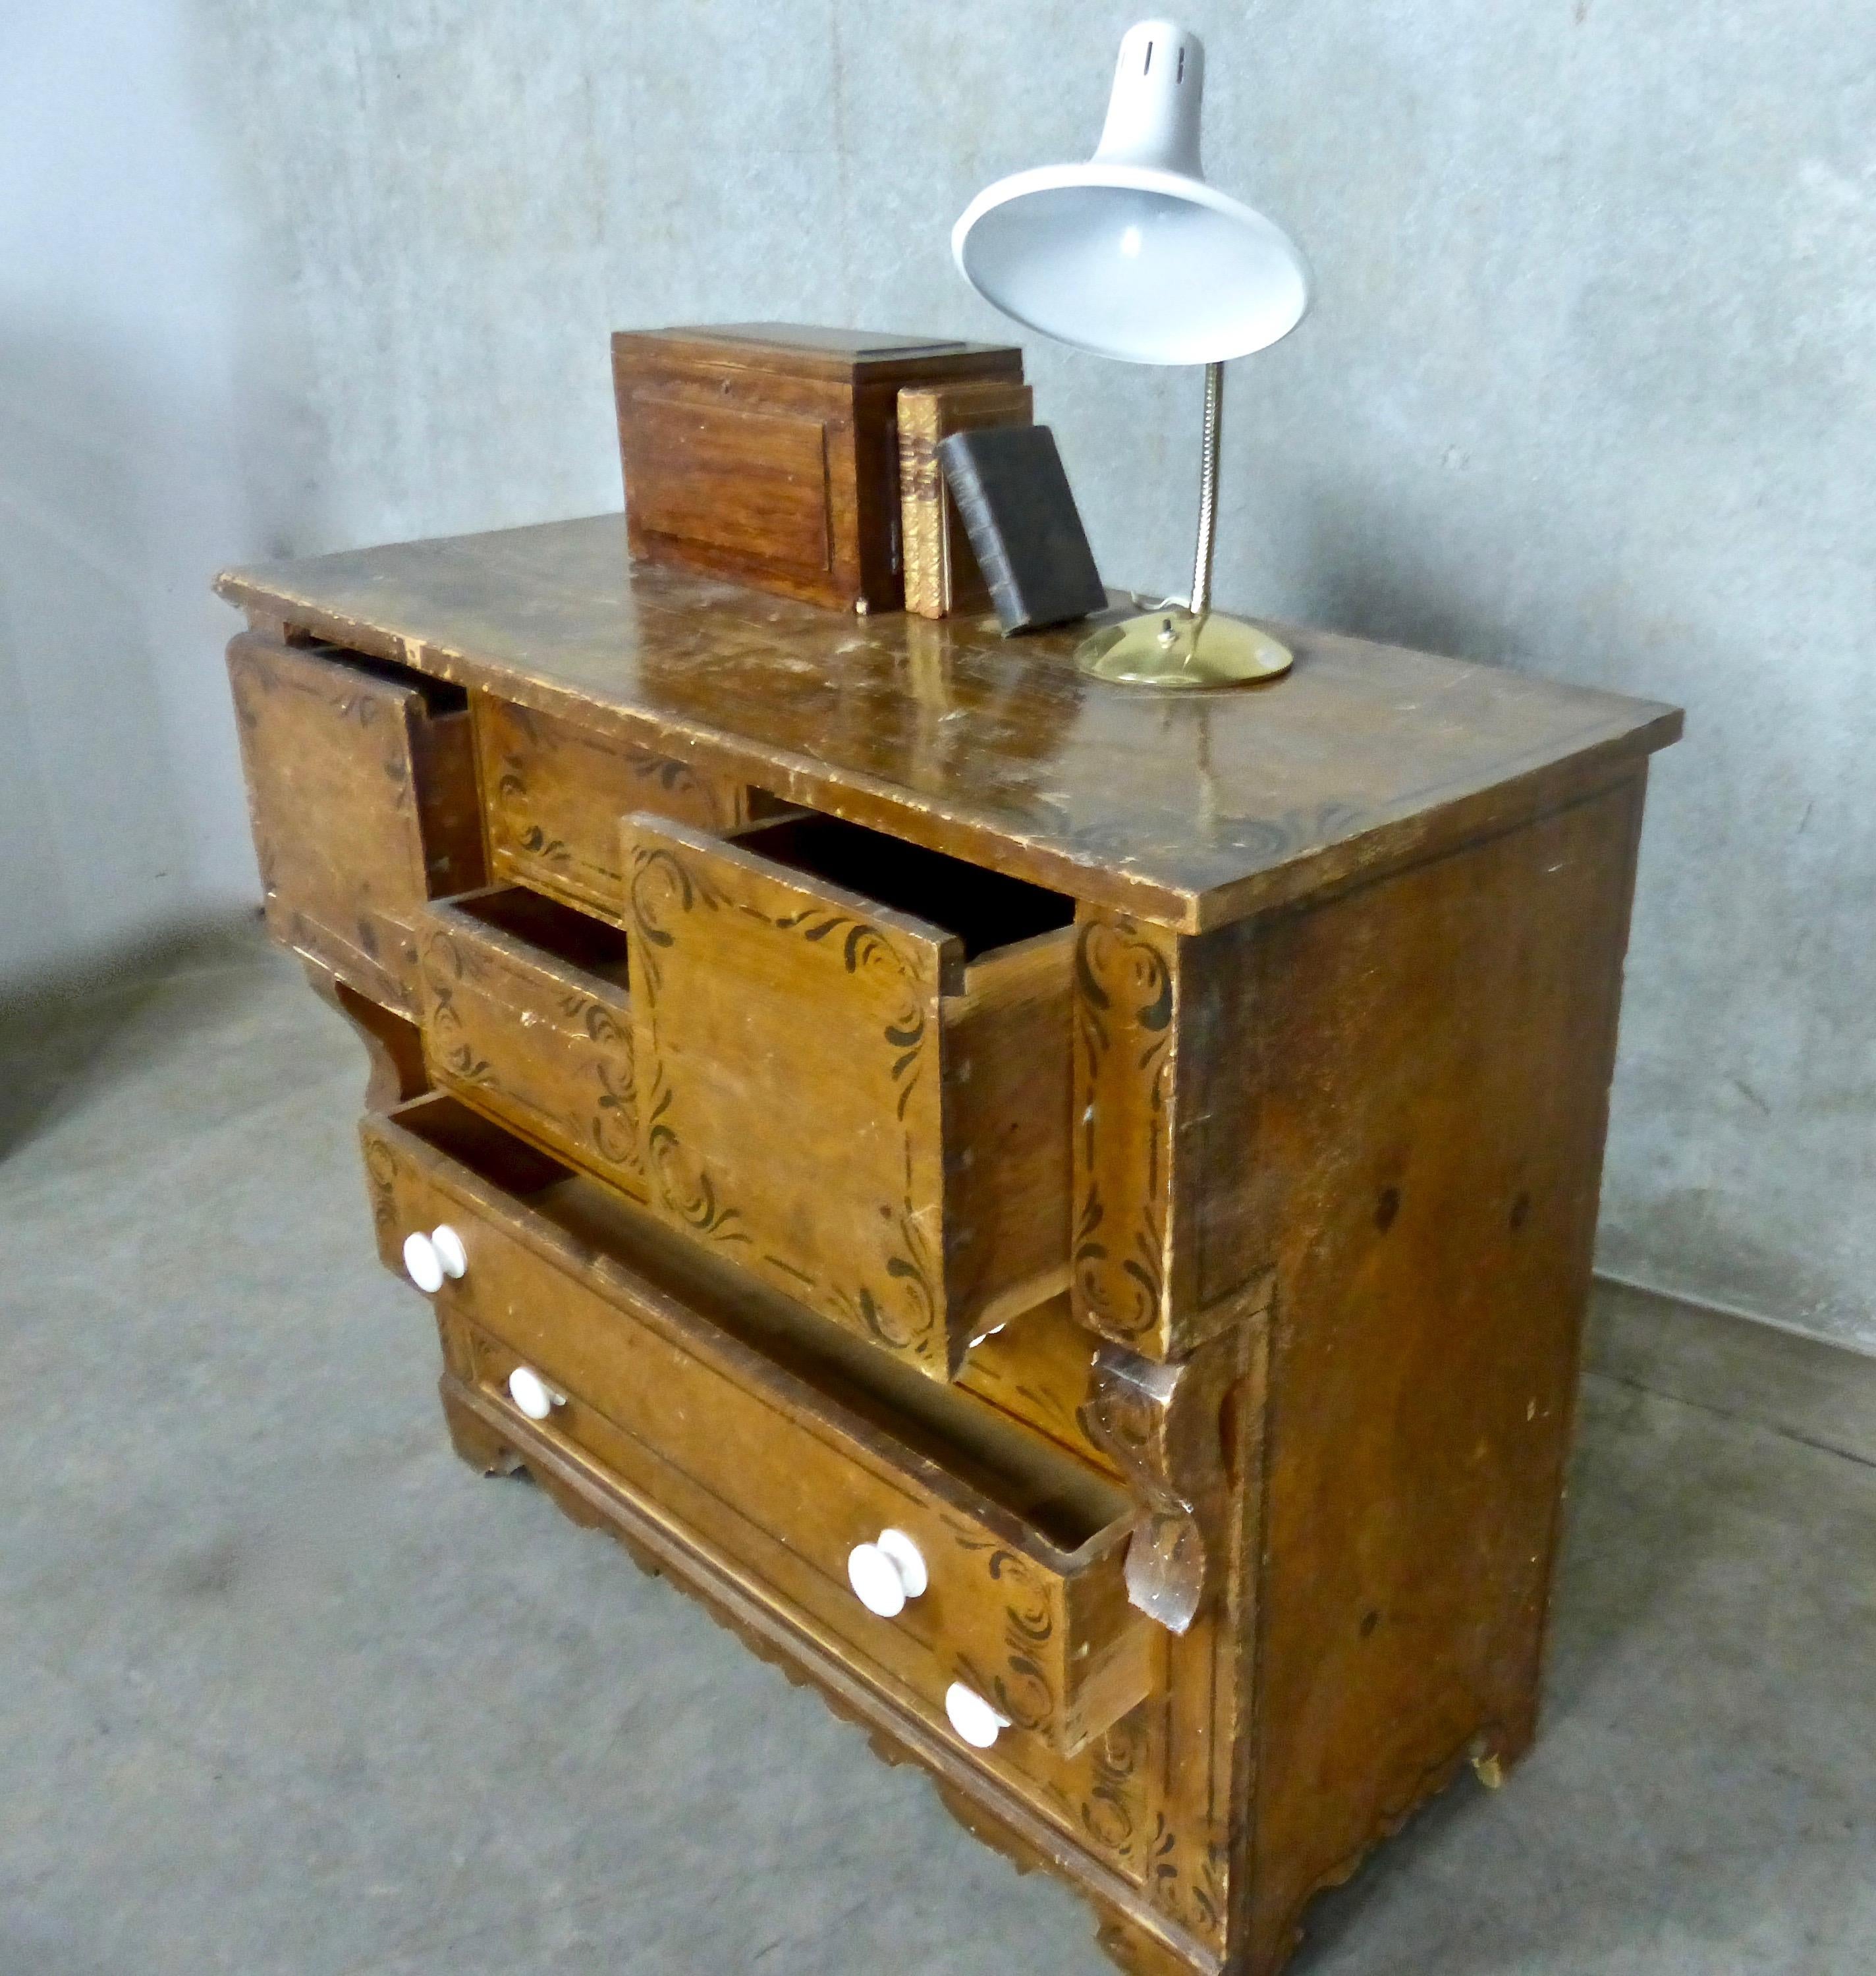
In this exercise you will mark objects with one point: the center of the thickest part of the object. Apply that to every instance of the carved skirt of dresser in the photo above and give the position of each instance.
(1097, 1296)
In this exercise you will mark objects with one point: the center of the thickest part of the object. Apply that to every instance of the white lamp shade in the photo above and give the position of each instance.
(1132, 254)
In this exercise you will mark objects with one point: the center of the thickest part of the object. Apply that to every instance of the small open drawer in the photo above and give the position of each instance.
(361, 788)
(526, 1013)
(853, 1072)
(772, 1443)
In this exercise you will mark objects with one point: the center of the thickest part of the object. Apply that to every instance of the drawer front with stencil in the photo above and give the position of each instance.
(853, 1065)
(525, 1015)
(554, 793)
(361, 788)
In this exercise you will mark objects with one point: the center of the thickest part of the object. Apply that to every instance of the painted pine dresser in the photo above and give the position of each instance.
(1063, 1217)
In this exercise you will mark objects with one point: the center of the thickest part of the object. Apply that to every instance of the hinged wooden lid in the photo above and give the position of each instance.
(807, 350)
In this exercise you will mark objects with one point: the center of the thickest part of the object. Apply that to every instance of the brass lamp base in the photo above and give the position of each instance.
(1174, 647)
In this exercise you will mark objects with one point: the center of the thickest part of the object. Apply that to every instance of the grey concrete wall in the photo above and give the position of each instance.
(122, 442)
(1588, 390)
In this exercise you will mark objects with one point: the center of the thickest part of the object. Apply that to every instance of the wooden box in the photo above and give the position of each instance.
(768, 453)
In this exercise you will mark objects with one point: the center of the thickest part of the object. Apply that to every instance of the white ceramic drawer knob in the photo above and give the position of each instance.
(428, 1259)
(450, 1250)
(972, 1716)
(886, 1573)
(532, 1394)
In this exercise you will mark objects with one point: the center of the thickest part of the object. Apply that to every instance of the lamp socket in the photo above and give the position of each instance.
(1153, 114)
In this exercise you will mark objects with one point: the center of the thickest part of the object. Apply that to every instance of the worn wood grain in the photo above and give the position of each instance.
(526, 1014)
(1423, 1152)
(361, 791)
(555, 792)
(768, 452)
(857, 1103)
(1001, 1808)
(393, 1045)
(1191, 810)
(1040, 1371)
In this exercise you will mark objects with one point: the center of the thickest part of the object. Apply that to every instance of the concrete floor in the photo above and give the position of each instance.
(287, 1689)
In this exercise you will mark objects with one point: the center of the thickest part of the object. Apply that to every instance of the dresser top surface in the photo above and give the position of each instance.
(1190, 809)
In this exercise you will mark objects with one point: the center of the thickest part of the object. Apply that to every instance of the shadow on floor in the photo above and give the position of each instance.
(58, 1034)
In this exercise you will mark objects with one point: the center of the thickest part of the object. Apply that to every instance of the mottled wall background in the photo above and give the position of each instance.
(1588, 390)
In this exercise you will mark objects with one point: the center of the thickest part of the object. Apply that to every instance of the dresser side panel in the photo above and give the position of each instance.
(1435, 1052)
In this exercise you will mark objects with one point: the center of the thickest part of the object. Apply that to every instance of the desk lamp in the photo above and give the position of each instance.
(1133, 255)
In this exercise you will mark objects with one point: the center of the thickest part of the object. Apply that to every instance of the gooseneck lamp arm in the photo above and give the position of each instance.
(1208, 490)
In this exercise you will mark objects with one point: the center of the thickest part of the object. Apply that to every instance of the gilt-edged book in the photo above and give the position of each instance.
(1014, 500)
(942, 579)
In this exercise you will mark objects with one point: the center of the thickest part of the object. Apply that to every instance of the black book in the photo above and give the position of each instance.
(1013, 498)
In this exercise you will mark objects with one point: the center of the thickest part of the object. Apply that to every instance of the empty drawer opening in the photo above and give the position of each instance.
(1066, 1502)
(985, 909)
(544, 923)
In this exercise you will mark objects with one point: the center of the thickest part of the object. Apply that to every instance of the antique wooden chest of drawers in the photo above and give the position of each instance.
(1065, 1217)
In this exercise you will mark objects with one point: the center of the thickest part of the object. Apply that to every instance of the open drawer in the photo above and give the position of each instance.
(361, 788)
(526, 1014)
(852, 1059)
(772, 1442)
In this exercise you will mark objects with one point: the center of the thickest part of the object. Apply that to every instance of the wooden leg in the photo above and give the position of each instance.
(476, 1441)
(393, 1045)
(1495, 1750)
(574, 1507)
(1136, 1951)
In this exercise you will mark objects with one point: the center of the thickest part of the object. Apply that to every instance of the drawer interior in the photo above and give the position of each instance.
(439, 696)
(986, 909)
(593, 946)
(1066, 1501)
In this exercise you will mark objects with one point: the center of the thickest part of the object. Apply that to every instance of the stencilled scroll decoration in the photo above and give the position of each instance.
(676, 778)
(1125, 1001)
(380, 1181)
(558, 789)
(447, 966)
(663, 890)
(1192, 1890)
(1018, 1683)
(901, 1305)
(514, 799)
(1184, 1433)
(568, 1080)
(1017, 1657)
(1108, 1807)
(614, 1127)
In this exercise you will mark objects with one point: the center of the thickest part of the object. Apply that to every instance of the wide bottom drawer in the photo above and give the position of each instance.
(769, 1442)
